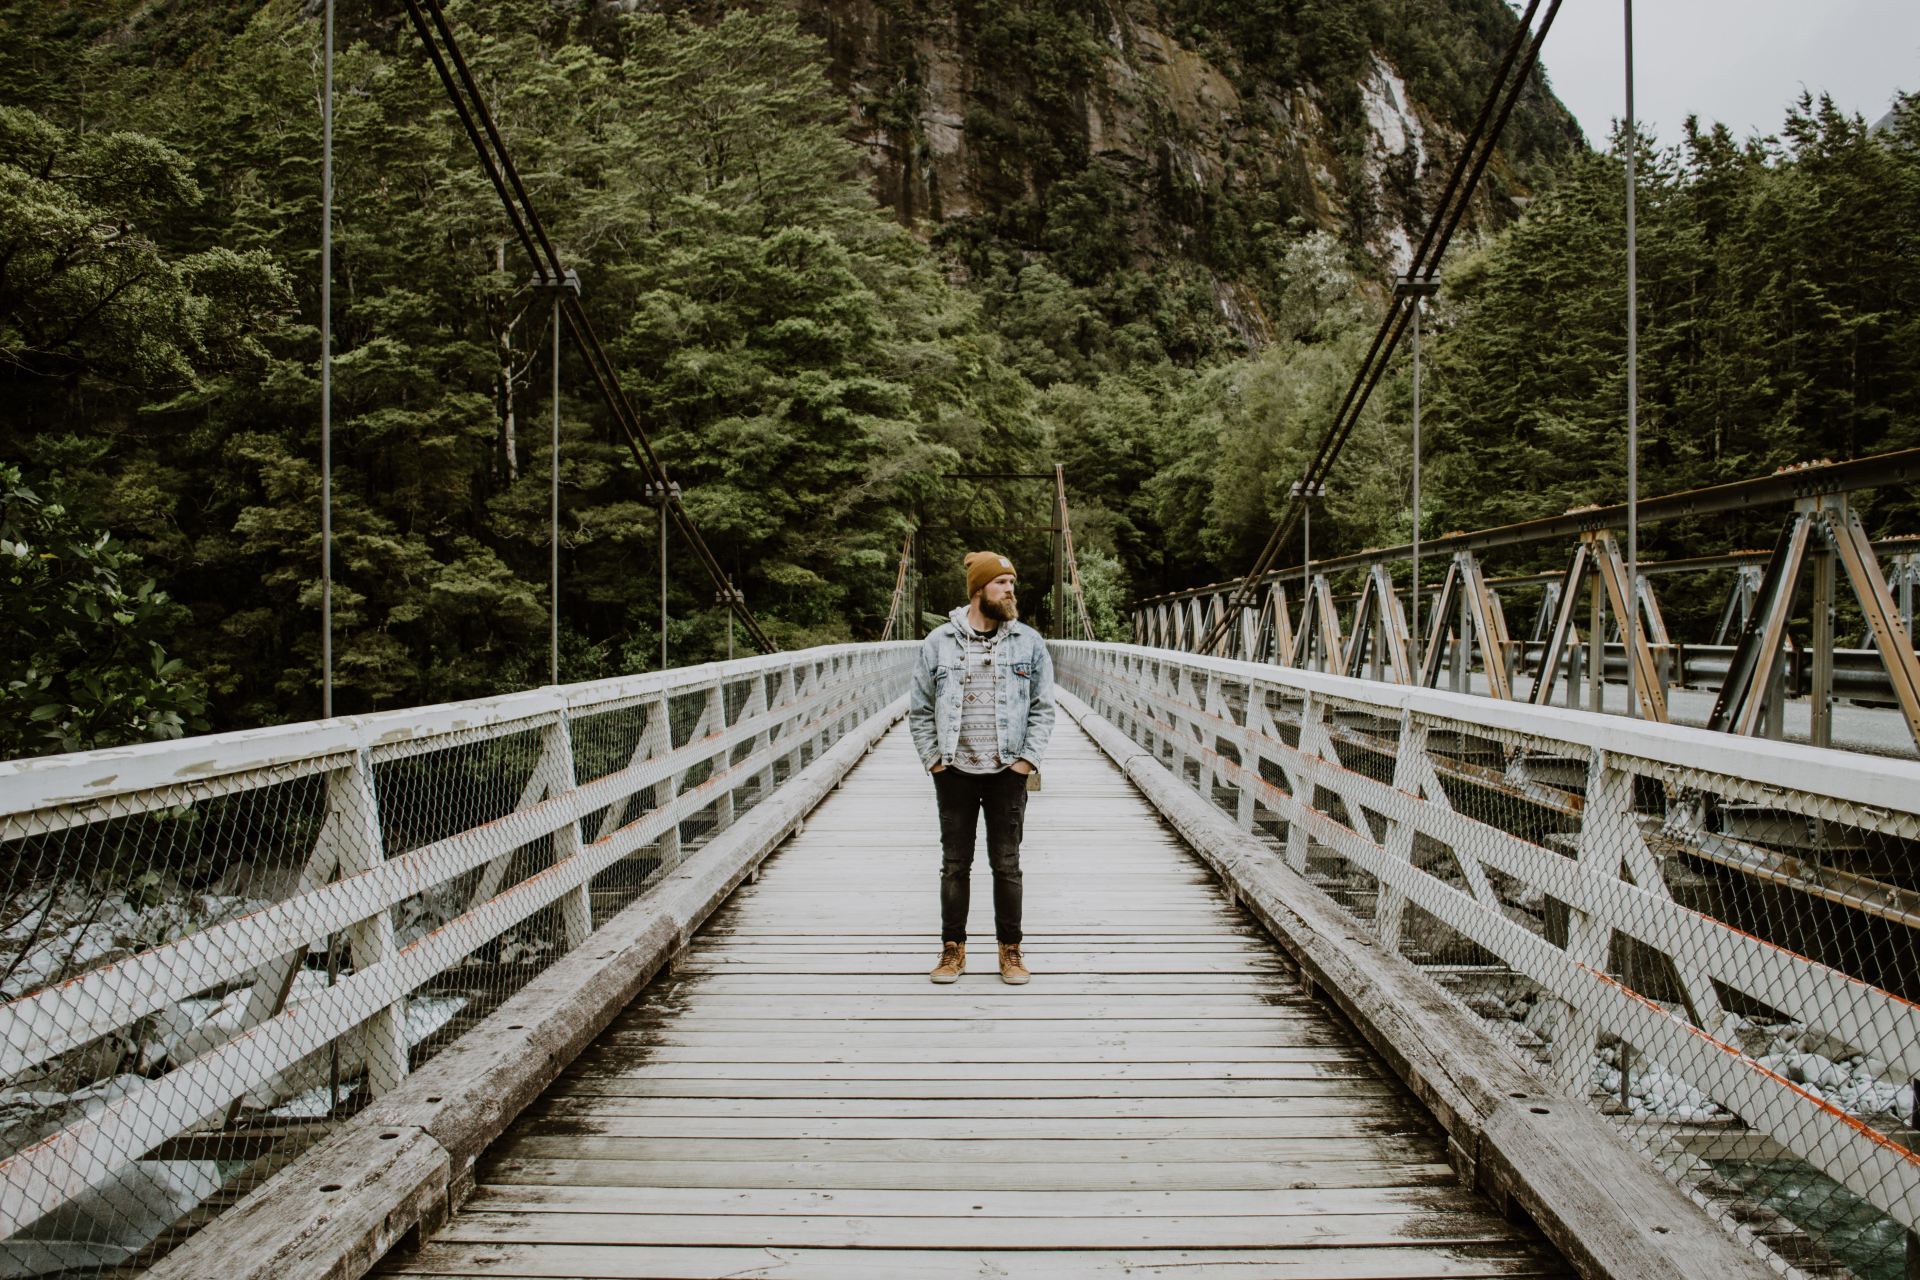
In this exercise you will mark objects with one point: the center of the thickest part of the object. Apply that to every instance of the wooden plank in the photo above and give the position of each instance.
(1117, 1092)
(600, 1126)
(969, 1202)
(1353, 1068)
(1062, 1175)
(987, 1000)
(762, 1050)
(815, 947)
(917, 940)
(1382, 1148)
(1103, 1175)
(1051, 1033)
(1295, 1231)
(1062, 962)
(990, 1110)
(628, 1262)
(774, 986)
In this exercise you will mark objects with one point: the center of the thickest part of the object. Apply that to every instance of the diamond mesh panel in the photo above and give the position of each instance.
(203, 976)
(1728, 968)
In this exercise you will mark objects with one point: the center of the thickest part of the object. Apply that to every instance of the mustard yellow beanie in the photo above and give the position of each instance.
(983, 567)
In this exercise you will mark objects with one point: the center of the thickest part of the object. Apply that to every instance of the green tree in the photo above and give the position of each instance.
(87, 663)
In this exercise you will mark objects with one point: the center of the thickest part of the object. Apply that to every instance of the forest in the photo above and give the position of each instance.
(812, 366)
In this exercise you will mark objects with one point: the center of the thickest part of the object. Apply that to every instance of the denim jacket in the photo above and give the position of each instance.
(1023, 687)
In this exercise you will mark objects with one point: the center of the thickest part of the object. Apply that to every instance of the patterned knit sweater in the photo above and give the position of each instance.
(979, 750)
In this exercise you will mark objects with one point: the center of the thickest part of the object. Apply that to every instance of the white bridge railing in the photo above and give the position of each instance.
(1713, 937)
(211, 949)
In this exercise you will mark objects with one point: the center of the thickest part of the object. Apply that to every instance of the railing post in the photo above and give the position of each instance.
(758, 704)
(716, 718)
(1390, 910)
(559, 777)
(351, 794)
(1820, 696)
(1596, 648)
(1297, 843)
(659, 734)
(1462, 656)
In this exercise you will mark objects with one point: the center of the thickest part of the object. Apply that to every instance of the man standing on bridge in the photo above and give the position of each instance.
(981, 711)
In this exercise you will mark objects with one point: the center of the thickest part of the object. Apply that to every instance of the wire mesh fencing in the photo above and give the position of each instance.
(213, 950)
(1709, 938)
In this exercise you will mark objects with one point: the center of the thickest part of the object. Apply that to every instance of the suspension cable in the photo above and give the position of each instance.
(894, 609)
(1468, 167)
(457, 78)
(1073, 560)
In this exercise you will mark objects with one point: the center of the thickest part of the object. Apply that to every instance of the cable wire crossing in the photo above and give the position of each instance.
(443, 50)
(1458, 194)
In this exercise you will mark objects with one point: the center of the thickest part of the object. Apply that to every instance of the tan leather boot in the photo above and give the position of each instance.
(1013, 969)
(953, 962)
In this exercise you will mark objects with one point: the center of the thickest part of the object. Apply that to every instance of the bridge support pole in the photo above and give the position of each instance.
(716, 718)
(558, 778)
(758, 705)
(1906, 574)
(1297, 843)
(1596, 649)
(1563, 639)
(1823, 527)
(370, 942)
(1894, 640)
(659, 744)
(1820, 696)
(1738, 608)
(1646, 690)
(1391, 908)
(1279, 627)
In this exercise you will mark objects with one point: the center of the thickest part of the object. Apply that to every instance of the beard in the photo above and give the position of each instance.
(1007, 610)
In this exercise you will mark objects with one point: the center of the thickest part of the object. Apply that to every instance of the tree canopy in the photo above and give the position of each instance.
(813, 372)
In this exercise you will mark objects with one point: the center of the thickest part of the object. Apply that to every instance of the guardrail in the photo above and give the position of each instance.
(214, 949)
(1711, 936)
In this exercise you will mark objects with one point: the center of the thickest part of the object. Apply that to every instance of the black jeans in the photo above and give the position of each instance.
(962, 797)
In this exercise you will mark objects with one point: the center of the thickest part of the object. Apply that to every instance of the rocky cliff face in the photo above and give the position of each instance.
(1176, 131)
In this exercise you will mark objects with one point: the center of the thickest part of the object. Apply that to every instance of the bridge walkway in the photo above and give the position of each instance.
(796, 1100)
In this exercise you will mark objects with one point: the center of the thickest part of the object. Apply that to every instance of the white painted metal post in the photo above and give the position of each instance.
(326, 368)
(1416, 289)
(717, 724)
(660, 733)
(663, 580)
(559, 777)
(553, 597)
(370, 942)
(1630, 625)
(1462, 644)
(1306, 556)
(1414, 621)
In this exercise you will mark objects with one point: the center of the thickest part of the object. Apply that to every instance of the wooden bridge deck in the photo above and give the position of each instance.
(796, 1100)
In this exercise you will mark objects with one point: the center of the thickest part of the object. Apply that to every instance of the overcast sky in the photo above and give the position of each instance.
(1737, 61)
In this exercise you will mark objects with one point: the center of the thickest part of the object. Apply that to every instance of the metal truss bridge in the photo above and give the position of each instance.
(1359, 614)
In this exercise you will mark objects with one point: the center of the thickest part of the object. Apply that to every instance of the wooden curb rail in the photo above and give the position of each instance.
(1510, 1134)
(403, 1165)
